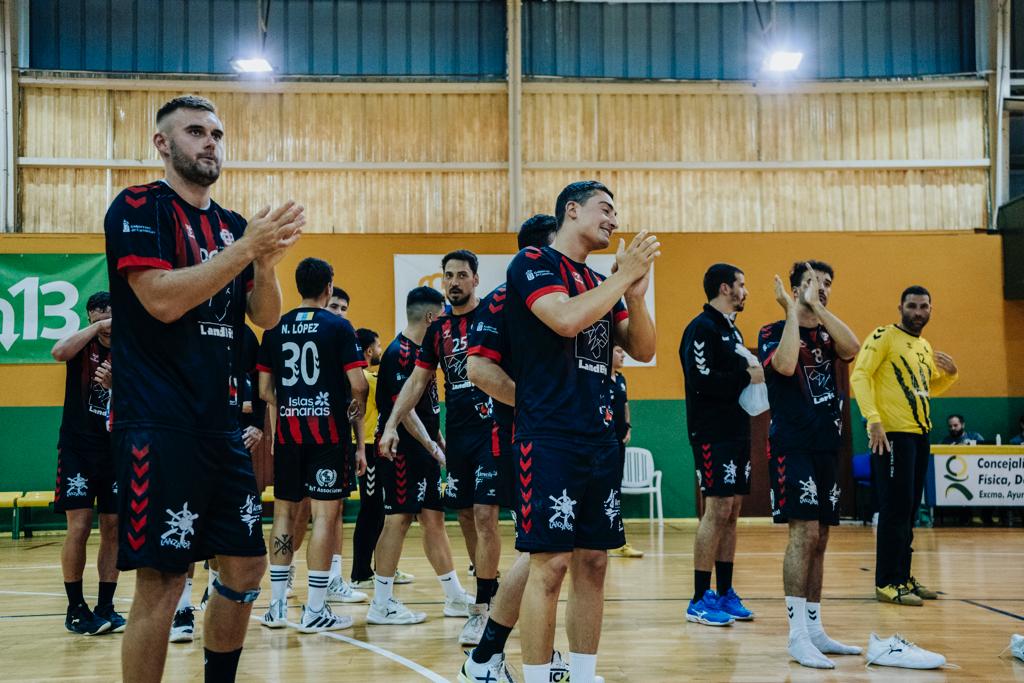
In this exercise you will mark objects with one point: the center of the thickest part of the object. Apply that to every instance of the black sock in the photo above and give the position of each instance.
(701, 583)
(74, 591)
(723, 571)
(221, 666)
(106, 597)
(492, 642)
(485, 590)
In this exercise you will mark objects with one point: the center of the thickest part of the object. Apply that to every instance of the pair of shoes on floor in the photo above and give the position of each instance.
(340, 590)
(718, 610)
(310, 622)
(86, 622)
(496, 670)
(626, 551)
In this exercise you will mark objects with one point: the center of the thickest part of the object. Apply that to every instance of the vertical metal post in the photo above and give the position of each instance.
(514, 61)
(998, 90)
(8, 65)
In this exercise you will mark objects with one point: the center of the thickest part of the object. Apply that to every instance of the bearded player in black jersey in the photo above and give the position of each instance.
(184, 272)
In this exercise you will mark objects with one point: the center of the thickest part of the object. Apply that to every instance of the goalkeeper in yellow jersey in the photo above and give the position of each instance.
(894, 377)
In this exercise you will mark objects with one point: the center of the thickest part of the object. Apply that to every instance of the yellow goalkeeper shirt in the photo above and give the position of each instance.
(893, 379)
(370, 419)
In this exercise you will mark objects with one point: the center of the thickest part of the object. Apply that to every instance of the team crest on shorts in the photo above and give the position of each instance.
(250, 512)
(563, 512)
(809, 492)
(325, 478)
(179, 528)
(77, 486)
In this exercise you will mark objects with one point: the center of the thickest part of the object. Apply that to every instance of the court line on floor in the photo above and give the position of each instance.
(994, 609)
(397, 658)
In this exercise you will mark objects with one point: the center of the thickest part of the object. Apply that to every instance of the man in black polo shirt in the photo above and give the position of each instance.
(716, 371)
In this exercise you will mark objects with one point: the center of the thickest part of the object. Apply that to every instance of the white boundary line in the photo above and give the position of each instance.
(407, 663)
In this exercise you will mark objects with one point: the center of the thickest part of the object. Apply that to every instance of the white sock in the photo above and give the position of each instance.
(450, 584)
(796, 610)
(383, 588)
(186, 595)
(582, 667)
(318, 581)
(537, 673)
(279, 582)
(213, 575)
(820, 639)
(335, 567)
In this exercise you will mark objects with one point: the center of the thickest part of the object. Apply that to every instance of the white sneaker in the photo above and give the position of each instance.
(339, 590)
(493, 671)
(402, 578)
(803, 651)
(1017, 646)
(559, 671)
(473, 631)
(897, 651)
(459, 605)
(393, 613)
(277, 615)
(291, 581)
(324, 620)
(183, 627)
(364, 584)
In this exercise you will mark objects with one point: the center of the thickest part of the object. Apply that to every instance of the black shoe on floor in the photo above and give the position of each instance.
(81, 620)
(117, 622)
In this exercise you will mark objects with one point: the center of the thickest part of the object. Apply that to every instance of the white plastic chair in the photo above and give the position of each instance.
(639, 476)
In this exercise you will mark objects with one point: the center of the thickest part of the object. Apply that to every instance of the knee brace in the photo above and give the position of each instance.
(244, 598)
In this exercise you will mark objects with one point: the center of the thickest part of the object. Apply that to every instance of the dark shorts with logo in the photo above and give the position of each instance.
(569, 496)
(410, 482)
(805, 485)
(84, 476)
(473, 468)
(184, 498)
(723, 467)
(316, 471)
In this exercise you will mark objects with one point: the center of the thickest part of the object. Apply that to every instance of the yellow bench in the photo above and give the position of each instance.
(7, 499)
(268, 495)
(32, 499)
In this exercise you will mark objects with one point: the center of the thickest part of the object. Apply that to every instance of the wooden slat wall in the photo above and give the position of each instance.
(557, 128)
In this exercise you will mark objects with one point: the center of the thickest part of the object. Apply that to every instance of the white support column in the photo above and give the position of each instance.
(998, 74)
(8, 67)
(514, 60)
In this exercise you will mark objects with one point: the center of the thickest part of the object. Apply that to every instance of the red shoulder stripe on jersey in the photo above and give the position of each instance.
(479, 350)
(532, 253)
(621, 315)
(264, 368)
(135, 203)
(355, 364)
(141, 262)
(590, 280)
(768, 360)
(182, 222)
(495, 308)
(211, 243)
(425, 365)
(543, 291)
(138, 189)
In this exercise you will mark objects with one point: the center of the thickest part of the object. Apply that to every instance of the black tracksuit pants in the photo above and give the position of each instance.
(370, 520)
(899, 477)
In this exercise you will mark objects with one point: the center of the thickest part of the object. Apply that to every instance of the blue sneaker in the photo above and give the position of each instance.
(731, 604)
(705, 611)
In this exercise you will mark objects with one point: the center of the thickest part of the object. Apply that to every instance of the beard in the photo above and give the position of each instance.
(191, 170)
(956, 434)
(374, 361)
(912, 324)
(460, 299)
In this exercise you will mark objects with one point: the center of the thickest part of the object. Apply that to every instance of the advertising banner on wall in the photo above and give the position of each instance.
(42, 299)
(415, 270)
(976, 476)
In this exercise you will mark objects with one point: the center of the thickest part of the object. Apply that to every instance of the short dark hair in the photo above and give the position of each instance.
(536, 231)
(796, 273)
(100, 301)
(339, 293)
(184, 102)
(461, 255)
(366, 337)
(312, 276)
(421, 298)
(915, 290)
(578, 192)
(717, 275)
(957, 416)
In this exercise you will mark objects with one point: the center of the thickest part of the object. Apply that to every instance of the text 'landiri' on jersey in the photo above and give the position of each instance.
(562, 384)
(308, 353)
(181, 374)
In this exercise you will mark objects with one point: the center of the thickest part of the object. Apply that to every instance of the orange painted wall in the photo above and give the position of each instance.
(984, 333)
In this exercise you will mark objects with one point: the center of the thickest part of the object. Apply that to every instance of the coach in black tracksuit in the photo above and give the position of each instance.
(719, 430)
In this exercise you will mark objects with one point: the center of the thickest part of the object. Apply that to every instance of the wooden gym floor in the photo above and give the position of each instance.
(980, 573)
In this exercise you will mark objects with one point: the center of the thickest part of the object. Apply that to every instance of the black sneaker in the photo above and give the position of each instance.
(81, 620)
(117, 622)
(184, 626)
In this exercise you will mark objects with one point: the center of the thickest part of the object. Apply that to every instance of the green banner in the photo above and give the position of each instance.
(42, 299)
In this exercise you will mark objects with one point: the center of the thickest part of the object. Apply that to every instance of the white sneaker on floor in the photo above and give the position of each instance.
(339, 590)
(559, 672)
(897, 651)
(459, 605)
(473, 631)
(393, 613)
(277, 615)
(492, 671)
(803, 651)
(324, 620)
(1017, 646)
(183, 627)
(291, 581)
(402, 578)
(362, 584)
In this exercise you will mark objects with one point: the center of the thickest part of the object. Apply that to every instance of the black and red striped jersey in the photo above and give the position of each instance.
(489, 338)
(182, 374)
(396, 365)
(84, 422)
(308, 353)
(446, 345)
(562, 384)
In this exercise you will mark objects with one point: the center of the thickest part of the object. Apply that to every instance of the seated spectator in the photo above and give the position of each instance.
(958, 434)
(1019, 439)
